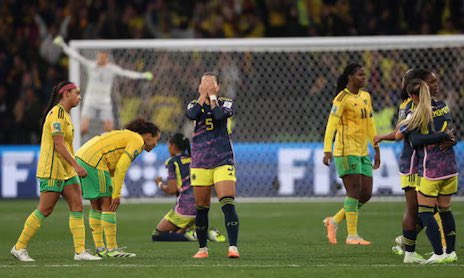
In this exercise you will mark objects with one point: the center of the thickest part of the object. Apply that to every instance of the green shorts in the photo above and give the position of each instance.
(47, 185)
(351, 164)
(97, 184)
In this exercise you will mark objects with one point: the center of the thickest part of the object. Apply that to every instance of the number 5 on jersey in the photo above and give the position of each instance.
(209, 124)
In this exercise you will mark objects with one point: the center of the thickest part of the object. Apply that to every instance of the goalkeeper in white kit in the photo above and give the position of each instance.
(101, 74)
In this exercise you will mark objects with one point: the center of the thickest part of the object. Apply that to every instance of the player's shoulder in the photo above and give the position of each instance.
(57, 111)
(439, 103)
(407, 103)
(225, 99)
(364, 94)
(192, 103)
(170, 161)
(341, 96)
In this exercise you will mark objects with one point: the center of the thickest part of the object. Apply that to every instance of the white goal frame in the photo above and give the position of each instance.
(262, 44)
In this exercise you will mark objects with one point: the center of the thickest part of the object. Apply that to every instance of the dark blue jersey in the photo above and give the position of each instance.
(211, 144)
(408, 159)
(179, 170)
(436, 164)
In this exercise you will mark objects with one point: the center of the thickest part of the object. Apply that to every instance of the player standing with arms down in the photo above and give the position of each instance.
(351, 119)
(58, 173)
(106, 158)
(100, 75)
(213, 161)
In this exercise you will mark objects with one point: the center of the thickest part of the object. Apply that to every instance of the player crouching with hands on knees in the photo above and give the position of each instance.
(107, 158)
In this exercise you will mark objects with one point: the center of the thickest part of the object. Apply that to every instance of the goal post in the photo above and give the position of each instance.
(283, 88)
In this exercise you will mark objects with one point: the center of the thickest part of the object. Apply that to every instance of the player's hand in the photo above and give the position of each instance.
(58, 40)
(148, 75)
(114, 204)
(202, 89)
(376, 159)
(448, 143)
(377, 139)
(158, 180)
(327, 158)
(81, 172)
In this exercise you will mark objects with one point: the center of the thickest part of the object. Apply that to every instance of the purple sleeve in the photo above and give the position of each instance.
(171, 170)
(193, 110)
(224, 110)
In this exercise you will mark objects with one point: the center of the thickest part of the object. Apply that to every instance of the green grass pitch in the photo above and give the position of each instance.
(276, 240)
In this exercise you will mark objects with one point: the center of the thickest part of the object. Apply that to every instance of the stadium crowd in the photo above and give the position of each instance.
(30, 63)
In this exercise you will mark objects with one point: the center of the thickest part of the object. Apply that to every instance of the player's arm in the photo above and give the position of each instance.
(58, 140)
(57, 123)
(194, 109)
(402, 112)
(334, 117)
(222, 111)
(122, 166)
(71, 52)
(372, 133)
(171, 186)
(418, 139)
(131, 74)
(133, 149)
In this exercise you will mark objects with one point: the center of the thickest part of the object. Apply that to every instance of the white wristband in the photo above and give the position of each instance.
(160, 183)
(212, 97)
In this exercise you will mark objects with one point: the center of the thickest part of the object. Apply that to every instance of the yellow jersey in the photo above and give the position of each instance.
(351, 119)
(104, 151)
(51, 164)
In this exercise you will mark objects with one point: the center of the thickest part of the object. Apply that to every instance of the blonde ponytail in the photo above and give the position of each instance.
(422, 117)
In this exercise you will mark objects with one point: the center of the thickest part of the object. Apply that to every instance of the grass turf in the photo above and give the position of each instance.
(276, 240)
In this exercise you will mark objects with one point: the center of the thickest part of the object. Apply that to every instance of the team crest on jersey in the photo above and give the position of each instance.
(365, 101)
(194, 177)
(57, 127)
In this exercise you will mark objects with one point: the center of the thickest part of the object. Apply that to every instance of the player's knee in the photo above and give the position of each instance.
(46, 210)
(75, 206)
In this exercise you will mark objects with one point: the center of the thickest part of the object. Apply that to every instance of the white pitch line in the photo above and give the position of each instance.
(225, 265)
(145, 265)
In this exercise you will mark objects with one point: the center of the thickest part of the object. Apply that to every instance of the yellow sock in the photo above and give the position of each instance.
(95, 223)
(31, 226)
(351, 211)
(352, 223)
(109, 227)
(440, 226)
(76, 225)
(339, 216)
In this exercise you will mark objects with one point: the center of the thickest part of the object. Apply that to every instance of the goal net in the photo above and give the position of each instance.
(283, 90)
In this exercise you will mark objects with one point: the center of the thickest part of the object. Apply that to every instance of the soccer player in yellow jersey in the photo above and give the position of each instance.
(351, 119)
(58, 173)
(106, 158)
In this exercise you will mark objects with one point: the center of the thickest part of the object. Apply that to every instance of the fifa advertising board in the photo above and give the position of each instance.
(263, 170)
